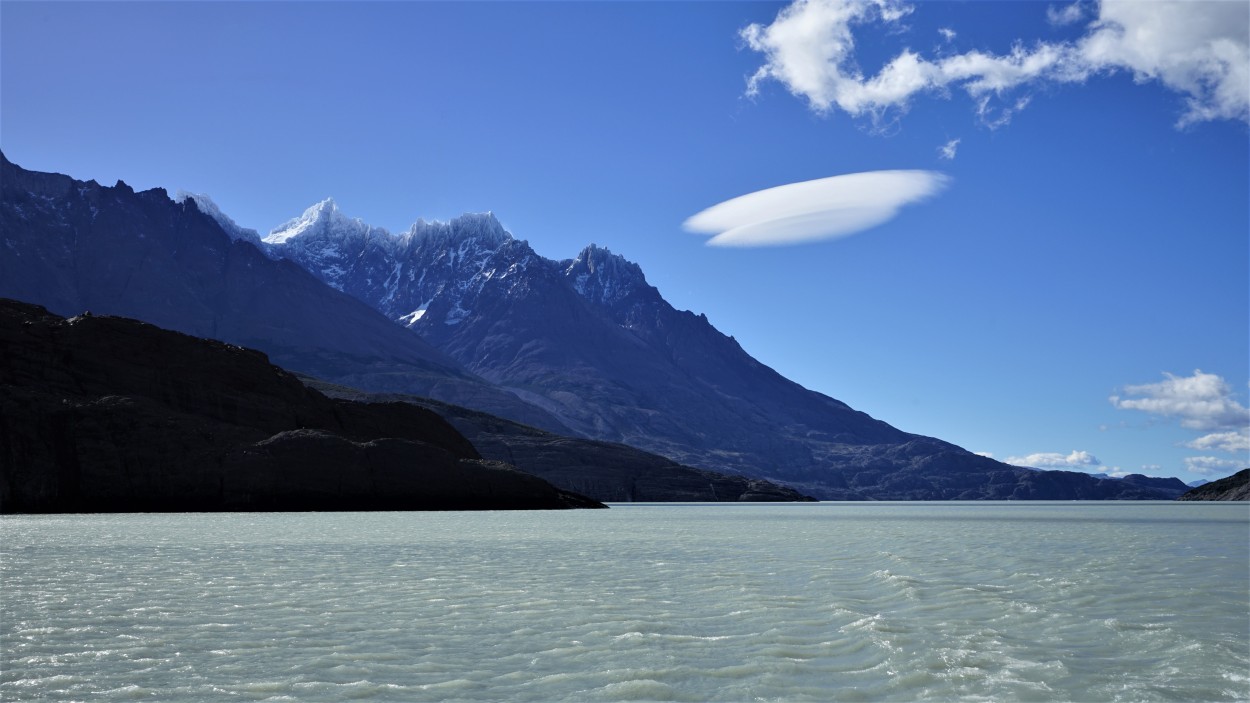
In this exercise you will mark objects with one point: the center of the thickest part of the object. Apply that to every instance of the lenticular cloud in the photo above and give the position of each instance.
(814, 210)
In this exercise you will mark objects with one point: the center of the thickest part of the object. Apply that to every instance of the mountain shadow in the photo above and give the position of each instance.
(107, 414)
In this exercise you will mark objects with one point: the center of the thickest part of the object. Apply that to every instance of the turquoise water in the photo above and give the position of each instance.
(821, 602)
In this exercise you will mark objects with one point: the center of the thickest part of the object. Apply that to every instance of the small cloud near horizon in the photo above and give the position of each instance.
(816, 210)
(1202, 402)
(1054, 460)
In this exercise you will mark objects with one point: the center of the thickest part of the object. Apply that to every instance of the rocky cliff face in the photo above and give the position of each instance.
(105, 414)
(1235, 487)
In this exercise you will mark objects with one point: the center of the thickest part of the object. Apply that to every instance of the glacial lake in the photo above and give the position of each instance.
(816, 602)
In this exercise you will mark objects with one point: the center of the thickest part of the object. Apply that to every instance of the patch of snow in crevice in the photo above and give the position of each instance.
(411, 318)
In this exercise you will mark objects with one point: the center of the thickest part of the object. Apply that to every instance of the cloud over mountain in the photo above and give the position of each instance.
(813, 210)
(1055, 460)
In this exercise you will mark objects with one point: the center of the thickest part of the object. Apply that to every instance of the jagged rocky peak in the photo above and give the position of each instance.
(598, 274)
(324, 220)
(481, 226)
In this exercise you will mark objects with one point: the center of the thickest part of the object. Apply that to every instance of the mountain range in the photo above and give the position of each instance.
(467, 314)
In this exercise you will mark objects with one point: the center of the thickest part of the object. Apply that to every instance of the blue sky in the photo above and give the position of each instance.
(1089, 236)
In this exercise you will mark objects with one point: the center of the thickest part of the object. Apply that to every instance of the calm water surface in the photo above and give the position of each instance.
(834, 601)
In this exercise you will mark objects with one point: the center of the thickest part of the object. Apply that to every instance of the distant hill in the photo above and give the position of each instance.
(1235, 487)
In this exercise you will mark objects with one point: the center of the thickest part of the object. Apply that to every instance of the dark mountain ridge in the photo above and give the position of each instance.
(1235, 487)
(107, 414)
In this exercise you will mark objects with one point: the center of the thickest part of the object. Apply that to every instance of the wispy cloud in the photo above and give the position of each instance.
(1198, 50)
(1055, 460)
(947, 33)
(1211, 466)
(947, 150)
(814, 210)
(1202, 401)
(1064, 15)
(1233, 442)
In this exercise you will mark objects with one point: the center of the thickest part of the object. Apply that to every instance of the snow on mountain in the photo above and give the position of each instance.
(208, 207)
(482, 227)
(606, 279)
(327, 242)
(323, 220)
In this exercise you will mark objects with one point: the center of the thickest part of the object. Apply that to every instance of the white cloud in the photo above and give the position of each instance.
(1211, 466)
(813, 210)
(1233, 442)
(1055, 460)
(1200, 50)
(1202, 401)
(947, 150)
(987, 455)
(1065, 15)
(947, 33)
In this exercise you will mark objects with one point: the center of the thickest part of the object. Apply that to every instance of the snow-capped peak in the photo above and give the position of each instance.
(482, 226)
(323, 220)
(208, 207)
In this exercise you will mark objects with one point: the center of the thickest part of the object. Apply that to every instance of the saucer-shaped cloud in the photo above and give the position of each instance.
(814, 210)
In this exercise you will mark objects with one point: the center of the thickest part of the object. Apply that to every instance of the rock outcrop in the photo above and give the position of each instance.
(107, 414)
(1235, 487)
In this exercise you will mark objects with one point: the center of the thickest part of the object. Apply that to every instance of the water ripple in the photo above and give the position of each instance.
(683, 603)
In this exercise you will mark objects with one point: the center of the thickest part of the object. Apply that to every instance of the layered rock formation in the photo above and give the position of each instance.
(106, 414)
